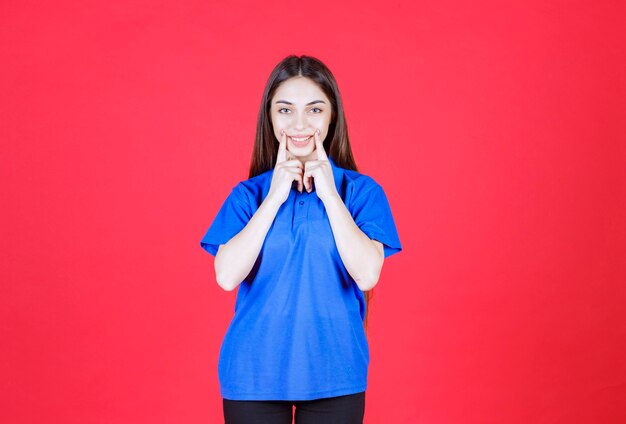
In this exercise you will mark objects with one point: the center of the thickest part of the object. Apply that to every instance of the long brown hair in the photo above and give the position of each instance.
(336, 143)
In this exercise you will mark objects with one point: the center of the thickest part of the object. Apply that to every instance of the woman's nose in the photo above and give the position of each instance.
(300, 122)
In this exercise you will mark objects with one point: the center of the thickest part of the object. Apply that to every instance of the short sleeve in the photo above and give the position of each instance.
(372, 214)
(233, 216)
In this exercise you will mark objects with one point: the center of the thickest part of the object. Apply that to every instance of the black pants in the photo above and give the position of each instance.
(348, 409)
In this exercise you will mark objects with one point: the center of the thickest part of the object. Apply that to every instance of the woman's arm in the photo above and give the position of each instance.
(235, 259)
(362, 256)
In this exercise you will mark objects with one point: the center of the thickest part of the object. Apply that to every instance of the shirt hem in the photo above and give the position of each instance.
(293, 396)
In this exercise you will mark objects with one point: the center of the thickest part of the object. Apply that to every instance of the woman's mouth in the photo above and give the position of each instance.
(300, 141)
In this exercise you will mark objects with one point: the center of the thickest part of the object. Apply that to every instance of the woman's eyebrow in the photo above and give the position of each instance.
(289, 103)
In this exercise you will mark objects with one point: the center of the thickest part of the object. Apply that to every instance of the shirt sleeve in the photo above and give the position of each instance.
(372, 214)
(233, 216)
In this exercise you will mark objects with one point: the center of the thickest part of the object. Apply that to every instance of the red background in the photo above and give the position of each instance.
(496, 128)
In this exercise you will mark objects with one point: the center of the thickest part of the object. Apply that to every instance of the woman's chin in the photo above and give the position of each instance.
(301, 153)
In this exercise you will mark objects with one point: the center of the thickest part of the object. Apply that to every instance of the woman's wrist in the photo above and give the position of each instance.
(271, 202)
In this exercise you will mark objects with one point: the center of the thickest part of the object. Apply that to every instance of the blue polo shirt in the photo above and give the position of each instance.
(297, 330)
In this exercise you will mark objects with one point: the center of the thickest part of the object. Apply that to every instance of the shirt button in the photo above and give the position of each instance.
(302, 202)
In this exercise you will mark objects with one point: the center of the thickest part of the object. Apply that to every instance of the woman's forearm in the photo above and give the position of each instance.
(359, 254)
(235, 259)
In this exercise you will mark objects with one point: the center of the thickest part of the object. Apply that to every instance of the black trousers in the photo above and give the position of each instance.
(347, 409)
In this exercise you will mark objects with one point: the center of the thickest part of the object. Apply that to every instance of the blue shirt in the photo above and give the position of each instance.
(297, 331)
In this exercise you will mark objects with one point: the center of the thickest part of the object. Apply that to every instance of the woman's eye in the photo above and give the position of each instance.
(314, 110)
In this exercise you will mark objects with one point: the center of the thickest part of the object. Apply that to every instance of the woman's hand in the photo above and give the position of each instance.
(321, 171)
(287, 170)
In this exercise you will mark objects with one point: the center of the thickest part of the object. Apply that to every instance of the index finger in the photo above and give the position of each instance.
(282, 148)
(319, 146)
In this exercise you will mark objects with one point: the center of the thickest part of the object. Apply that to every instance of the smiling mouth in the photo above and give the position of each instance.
(300, 141)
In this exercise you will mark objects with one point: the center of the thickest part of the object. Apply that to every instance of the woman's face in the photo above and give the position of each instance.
(300, 108)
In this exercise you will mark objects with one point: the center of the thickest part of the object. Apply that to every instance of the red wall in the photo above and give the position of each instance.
(497, 130)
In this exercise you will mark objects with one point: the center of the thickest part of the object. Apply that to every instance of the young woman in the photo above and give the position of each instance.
(303, 238)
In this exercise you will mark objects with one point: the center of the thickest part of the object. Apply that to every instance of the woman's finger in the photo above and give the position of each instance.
(294, 163)
(296, 176)
(319, 146)
(282, 148)
(308, 176)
